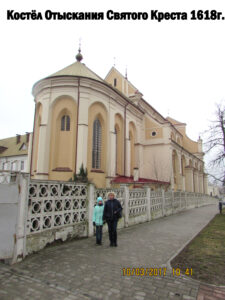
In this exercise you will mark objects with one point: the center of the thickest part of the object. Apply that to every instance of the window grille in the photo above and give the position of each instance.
(65, 123)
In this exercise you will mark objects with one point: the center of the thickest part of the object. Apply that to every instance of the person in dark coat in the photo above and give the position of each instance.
(220, 206)
(112, 212)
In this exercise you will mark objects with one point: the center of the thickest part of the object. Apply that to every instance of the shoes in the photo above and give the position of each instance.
(113, 244)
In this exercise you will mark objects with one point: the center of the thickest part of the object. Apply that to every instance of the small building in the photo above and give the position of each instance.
(14, 153)
(214, 190)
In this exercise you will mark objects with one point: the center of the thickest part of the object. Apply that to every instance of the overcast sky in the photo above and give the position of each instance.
(178, 66)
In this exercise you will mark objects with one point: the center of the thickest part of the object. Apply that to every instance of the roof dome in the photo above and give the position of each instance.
(77, 69)
(79, 56)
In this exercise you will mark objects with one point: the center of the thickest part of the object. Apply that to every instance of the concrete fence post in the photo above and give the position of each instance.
(91, 196)
(148, 199)
(20, 236)
(172, 201)
(163, 203)
(196, 201)
(185, 200)
(126, 206)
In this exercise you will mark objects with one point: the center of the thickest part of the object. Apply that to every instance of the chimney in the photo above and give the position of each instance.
(199, 144)
(27, 136)
(18, 138)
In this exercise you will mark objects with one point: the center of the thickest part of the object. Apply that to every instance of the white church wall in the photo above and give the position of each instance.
(157, 162)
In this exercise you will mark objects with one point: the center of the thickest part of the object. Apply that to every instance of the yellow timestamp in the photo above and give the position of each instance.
(144, 271)
(153, 272)
(178, 272)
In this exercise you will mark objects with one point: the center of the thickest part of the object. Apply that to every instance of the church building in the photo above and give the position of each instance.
(106, 125)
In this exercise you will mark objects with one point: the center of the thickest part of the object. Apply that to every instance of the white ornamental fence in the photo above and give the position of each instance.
(53, 205)
(56, 210)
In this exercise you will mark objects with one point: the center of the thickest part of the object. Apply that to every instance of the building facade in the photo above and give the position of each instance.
(214, 190)
(107, 126)
(14, 153)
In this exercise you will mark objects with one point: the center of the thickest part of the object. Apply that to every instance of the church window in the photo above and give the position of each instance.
(65, 123)
(96, 144)
(153, 133)
(22, 165)
(116, 133)
(115, 81)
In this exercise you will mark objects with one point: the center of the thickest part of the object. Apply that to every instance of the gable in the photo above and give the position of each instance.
(23, 147)
(118, 81)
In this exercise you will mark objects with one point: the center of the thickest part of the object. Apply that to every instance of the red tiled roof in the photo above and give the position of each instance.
(125, 179)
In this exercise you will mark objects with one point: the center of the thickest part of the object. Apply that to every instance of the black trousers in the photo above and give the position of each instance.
(98, 234)
(112, 226)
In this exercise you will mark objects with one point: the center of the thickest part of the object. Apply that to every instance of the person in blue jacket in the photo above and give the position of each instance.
(98, 220)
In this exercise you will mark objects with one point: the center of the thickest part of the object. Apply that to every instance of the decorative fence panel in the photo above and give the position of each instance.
(176, 201)
(182, 200)
(191, 200)
(52, 210)
(56, 210)
(168, 203)
(137, 202)
(52, 205)
(156, 204)
(137, 206)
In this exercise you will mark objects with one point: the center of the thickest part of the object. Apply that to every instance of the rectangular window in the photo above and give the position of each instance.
(115, 81)
(22, 165)
(13, 166)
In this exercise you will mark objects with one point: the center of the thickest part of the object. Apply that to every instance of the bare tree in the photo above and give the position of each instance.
(215, 144)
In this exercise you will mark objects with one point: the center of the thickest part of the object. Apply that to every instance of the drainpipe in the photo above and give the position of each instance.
(31, 160)
(125, 121)
(78, 103)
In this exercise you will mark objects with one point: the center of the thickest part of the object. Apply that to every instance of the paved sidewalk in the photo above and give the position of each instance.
(82, 270)
(206, 292)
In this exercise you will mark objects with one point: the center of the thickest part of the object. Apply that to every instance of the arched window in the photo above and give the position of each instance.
(96, 144)
(65, 123)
